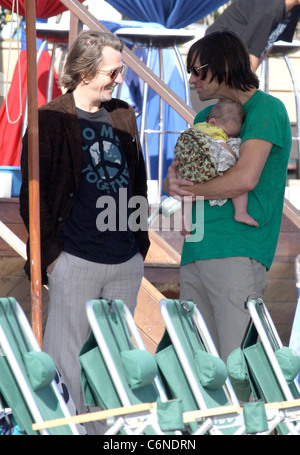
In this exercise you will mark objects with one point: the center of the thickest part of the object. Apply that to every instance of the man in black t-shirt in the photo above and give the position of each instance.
(96, 216)
(259, 23)
(92, 172)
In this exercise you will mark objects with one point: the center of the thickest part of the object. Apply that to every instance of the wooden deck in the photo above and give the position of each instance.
(14, 282)
(162, 274)
(281, 295)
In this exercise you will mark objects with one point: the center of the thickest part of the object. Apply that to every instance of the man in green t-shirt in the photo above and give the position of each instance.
(230, 262)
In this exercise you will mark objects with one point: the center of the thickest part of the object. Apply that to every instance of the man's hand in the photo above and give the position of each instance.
(51, 266)
(173, 184)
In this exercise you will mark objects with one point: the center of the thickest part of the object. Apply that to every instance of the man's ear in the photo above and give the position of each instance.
(84, 79)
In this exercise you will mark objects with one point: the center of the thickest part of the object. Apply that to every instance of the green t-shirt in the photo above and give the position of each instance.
(267, 119)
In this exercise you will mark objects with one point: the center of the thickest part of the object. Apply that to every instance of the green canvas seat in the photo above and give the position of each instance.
(27, 384)
(263, 367)
(192, 370)
(117, 370)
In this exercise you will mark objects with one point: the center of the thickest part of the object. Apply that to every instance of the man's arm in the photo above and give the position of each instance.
(255, 62)
(174, 185)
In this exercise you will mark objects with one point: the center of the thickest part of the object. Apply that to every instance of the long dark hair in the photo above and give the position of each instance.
(227, 58)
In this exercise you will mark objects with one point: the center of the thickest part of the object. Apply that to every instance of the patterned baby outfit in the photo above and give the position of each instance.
(202, 157)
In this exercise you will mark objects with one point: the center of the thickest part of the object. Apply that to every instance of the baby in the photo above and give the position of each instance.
(208, 149)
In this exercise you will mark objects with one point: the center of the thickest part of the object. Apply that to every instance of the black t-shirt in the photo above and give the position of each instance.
(293, 19)
(259, 23)
(97, 229)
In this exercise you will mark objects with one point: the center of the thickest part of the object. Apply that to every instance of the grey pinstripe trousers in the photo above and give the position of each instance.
(71, 284)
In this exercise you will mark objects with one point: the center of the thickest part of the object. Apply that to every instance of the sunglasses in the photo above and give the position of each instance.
(113, 74)
(196, 71)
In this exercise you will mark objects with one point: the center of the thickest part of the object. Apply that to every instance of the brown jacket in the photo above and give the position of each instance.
(60, 155)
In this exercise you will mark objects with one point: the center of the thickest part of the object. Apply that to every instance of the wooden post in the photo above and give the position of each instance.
(75, 27)
(159, 86)
(33, 166)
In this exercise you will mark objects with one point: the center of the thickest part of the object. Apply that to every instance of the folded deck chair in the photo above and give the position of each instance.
(27, 385)
(117, 370)
(265, 368)
(192, 370)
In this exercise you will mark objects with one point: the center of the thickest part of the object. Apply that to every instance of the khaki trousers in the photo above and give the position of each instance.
(220, 287)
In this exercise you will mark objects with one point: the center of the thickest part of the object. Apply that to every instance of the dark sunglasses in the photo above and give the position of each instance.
(113, 74)
(196, 71)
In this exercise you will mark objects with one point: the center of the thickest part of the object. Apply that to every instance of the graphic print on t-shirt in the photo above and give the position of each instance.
(104, 163)
(111, 159)
(104, 176)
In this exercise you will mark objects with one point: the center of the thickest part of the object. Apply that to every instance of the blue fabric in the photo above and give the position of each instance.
(132, 92)
(159, 14)
(170, 13)
(23, 34)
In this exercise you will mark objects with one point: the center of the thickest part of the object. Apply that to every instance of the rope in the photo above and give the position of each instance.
(19, 67)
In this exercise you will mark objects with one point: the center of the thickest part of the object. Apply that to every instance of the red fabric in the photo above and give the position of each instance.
(10, 138)
(11, 133)
(44, 8)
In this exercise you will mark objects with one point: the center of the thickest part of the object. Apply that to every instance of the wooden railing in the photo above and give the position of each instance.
(291, 212)
(135, 63)
(82, 14)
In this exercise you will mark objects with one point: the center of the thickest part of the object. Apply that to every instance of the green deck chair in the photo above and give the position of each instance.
(192, 369)
(117, 371)
(27, 384)
(264, 368)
